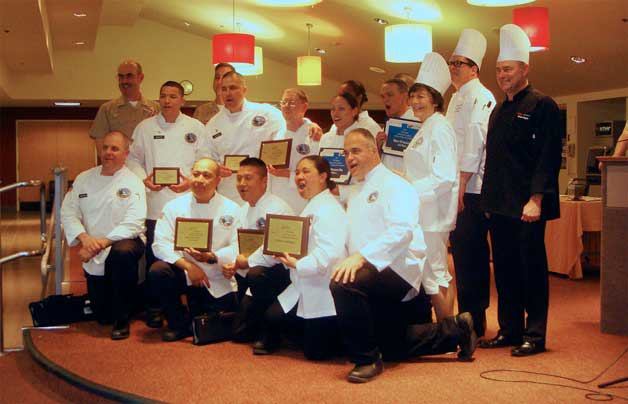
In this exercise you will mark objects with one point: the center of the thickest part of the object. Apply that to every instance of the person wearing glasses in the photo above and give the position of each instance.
(206, 111)
(294, 103)
(469, 110)
(431, 167)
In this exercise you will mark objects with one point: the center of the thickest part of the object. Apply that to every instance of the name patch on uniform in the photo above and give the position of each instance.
(258, 120)
(123, 193)
(261, 223)
(521, 115)
(190, 137)
(373, 197)
(82, 196)
(226, 220)
(159, 137)
(217, 135)
(303, 149)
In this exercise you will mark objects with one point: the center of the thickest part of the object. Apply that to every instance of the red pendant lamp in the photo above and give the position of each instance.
(535, 22)
(233, 47)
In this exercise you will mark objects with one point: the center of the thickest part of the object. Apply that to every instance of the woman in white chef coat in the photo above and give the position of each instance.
(430, 163)
(307, 301)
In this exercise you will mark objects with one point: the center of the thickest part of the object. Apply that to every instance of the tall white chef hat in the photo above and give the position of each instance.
(434, 72)
(514, 44)
(472, 45)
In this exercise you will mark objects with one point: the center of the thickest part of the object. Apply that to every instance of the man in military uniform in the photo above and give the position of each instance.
(205, 112)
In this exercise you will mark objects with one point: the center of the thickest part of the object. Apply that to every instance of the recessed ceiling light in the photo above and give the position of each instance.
(67, 104)
(320, 50)
(375, 69)
(80, 15)
(187, 24)
(380, 21)
(578, 59)
(79, 43)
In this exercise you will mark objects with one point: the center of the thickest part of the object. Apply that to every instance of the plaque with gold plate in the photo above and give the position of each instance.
(249, 241)
(166, 176)
(232, 161)
(193, 233)
(276, 153)
(287, 234)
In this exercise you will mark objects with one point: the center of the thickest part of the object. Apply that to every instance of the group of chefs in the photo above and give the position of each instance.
(377, 244)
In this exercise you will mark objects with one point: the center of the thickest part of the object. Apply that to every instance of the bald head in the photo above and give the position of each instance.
(206, 164)
(204, 179)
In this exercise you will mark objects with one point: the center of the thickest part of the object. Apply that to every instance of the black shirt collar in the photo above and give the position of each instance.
(519, 96)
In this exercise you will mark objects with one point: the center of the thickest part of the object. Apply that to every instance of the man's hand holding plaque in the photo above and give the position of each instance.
(165, 176)
(286, 235)
(232, 161)
(276, 153)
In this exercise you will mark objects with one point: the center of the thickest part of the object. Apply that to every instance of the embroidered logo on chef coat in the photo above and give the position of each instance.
(258, 121)
(226, 220)
(190, 137)
(303, 149)
(82, 196)
(217, 135)
(525, 117)
(261, 223)
(123, 193)
(373, 197)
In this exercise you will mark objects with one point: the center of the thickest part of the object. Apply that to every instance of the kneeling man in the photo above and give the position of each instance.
(104, 213)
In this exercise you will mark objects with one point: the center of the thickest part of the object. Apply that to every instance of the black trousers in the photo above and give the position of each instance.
(266, 283)
(374, 321)
(168, 283)
(521, 277)
(470, 250)
(151, 302)
(319, 336)
(112, 294)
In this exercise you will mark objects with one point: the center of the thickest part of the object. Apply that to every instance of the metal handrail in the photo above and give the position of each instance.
(21, 254)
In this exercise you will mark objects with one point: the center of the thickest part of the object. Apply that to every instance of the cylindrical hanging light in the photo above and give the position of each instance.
(498, 3)
(535, 22)
(233, 47)
(309, 68)
(407, 43)
(255, 69)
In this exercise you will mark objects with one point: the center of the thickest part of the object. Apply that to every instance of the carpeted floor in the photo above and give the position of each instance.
(228, 373)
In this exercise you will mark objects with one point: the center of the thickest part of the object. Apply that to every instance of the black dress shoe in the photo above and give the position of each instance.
(528, 348)
(120, 330)
(153, 318)
(499, 341)
(366, 373)
(468, 337)
(265, 347)
(175, 335)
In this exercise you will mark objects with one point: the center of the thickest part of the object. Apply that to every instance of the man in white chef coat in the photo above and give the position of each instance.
(104, 213)
(271, 279)
(196, 274)
(239, 129)
(169, 139)
(384, 268)
(469, 110)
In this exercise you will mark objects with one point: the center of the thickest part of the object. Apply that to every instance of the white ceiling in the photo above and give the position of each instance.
(594, 29)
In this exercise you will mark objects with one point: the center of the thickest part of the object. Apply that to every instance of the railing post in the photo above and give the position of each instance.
(60, 186)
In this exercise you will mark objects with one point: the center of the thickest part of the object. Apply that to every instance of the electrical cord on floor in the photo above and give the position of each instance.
(594, 395)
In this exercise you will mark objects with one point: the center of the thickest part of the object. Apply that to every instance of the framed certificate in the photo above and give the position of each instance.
(193, 233)
(276, 152)
(232, 161)
(399, 134)
(286, 234)
(249, 241)
(336, 158)
(166, 176)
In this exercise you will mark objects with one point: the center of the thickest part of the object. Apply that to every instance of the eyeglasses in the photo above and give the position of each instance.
(288, 103)
(459, 63)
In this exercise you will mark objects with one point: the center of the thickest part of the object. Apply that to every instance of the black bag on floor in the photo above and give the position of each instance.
(60, 310)
(214, 327)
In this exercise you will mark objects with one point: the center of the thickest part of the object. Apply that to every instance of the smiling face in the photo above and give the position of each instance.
(360, 154)
(310, 182)
(512, 76)
(251, 184)
(292, 107)
(395, 101)
(204, 179)
(129, 81)
(114, 152)
(342, 114)
(422, 103)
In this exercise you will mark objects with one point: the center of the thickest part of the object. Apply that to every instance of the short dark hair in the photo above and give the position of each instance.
(358, 89)
(257, 163)
(322, 166)
(437, 98)
(224, 64)
(235, 74)
(353, 103)
(401, 85)
(174, 84)
(407, 78)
